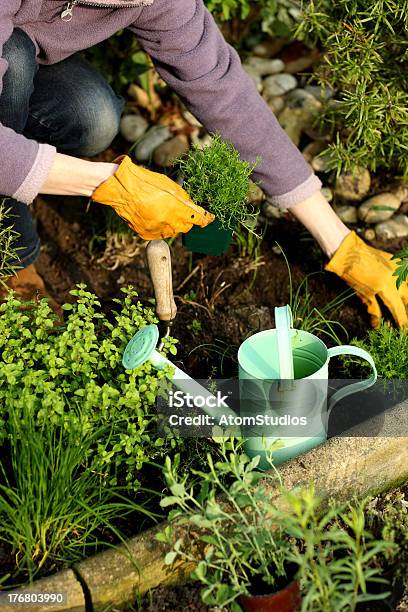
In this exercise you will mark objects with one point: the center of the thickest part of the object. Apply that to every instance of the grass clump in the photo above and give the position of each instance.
(216, 178)
(55, 506)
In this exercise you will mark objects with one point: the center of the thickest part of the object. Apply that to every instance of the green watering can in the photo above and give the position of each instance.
(283, 384)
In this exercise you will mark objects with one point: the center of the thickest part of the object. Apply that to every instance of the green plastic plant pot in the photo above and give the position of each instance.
(211, 240)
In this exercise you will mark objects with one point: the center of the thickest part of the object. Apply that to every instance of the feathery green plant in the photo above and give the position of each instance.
(8, 236)
(216, 178)
(365, 62)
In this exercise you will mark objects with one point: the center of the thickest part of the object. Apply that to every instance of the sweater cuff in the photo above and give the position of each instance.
(298, 194)
(37, 176)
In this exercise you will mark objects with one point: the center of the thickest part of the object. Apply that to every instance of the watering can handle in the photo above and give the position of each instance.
(358, 386)
(159, 262)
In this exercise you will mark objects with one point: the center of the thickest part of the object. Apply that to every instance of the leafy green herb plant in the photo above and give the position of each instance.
(225, 523)
(402, 266)
(389, 349)
(216, 178)
(72, 375)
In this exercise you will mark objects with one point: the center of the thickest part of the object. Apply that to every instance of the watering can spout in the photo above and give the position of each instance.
(142, 348)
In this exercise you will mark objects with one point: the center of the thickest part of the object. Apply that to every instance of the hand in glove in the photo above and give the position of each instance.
(153, 205)
(370, 272)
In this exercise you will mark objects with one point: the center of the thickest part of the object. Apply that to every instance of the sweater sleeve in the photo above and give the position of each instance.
(192, 56)
(25, 164)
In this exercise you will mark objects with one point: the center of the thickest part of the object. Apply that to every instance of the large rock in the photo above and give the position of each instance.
(276, 104)
(132, 127)
(378, 208)
(321, 162)
(150, 141)
(353, 186)
(299, 98)
(264, 67)
(170, 150)
(278, 84)
(294, 121)
(346, 212)
(397, 227)
(269, 48)
(313, 149)
(321, 93)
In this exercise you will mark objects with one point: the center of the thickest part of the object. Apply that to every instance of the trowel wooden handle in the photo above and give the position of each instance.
(159, 262)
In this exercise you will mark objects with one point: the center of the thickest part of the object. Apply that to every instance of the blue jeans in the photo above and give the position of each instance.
(68, 105)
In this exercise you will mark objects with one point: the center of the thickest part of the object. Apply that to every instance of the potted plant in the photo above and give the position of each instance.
(254, 555)
(216, 178)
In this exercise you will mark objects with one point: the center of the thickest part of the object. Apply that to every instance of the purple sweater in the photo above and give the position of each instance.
(192, 57)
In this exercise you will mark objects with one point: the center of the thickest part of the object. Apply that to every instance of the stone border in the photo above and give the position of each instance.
(372, 458)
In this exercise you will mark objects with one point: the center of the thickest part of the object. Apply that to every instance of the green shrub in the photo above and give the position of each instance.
(216, 178)
(276, 17)
(389, 349)
(72, 375)
(240, 535)
(365, 61)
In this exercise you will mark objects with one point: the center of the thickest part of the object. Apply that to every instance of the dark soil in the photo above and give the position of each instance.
(225, 299)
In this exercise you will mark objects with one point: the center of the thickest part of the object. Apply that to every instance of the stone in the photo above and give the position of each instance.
(327, 193)
(321, 93)
(278, 84)
(132, 127)
(299, 98)
(201, 141)
(353, 186)
(369, 234)
(272, 212)
(189, 117)
(269, 48)
(346, 212)
(255, 77)
(312, 149)
(401, 192)
(321, 162)
(264, 67)
(378, 208)
(255, 194)
(294, 121)
(149, 101)
(167, 152)
(276, 104)
(150, 141)
(256, 319)
(397, 227)
(302, 63)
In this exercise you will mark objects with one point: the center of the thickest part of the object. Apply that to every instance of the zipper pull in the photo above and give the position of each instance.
(66, 14)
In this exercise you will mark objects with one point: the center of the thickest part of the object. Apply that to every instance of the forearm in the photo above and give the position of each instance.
(73, 176)
(318, 217)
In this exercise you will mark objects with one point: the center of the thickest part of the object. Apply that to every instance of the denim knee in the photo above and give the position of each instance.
(18, 82)
(82, 114)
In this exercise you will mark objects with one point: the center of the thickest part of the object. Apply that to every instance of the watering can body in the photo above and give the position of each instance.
(297, 408)
(299, 396)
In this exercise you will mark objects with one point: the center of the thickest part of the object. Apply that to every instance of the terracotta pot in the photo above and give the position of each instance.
(285, 600)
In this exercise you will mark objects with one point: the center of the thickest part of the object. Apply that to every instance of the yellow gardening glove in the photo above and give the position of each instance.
(370, 272)
(153, 205)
